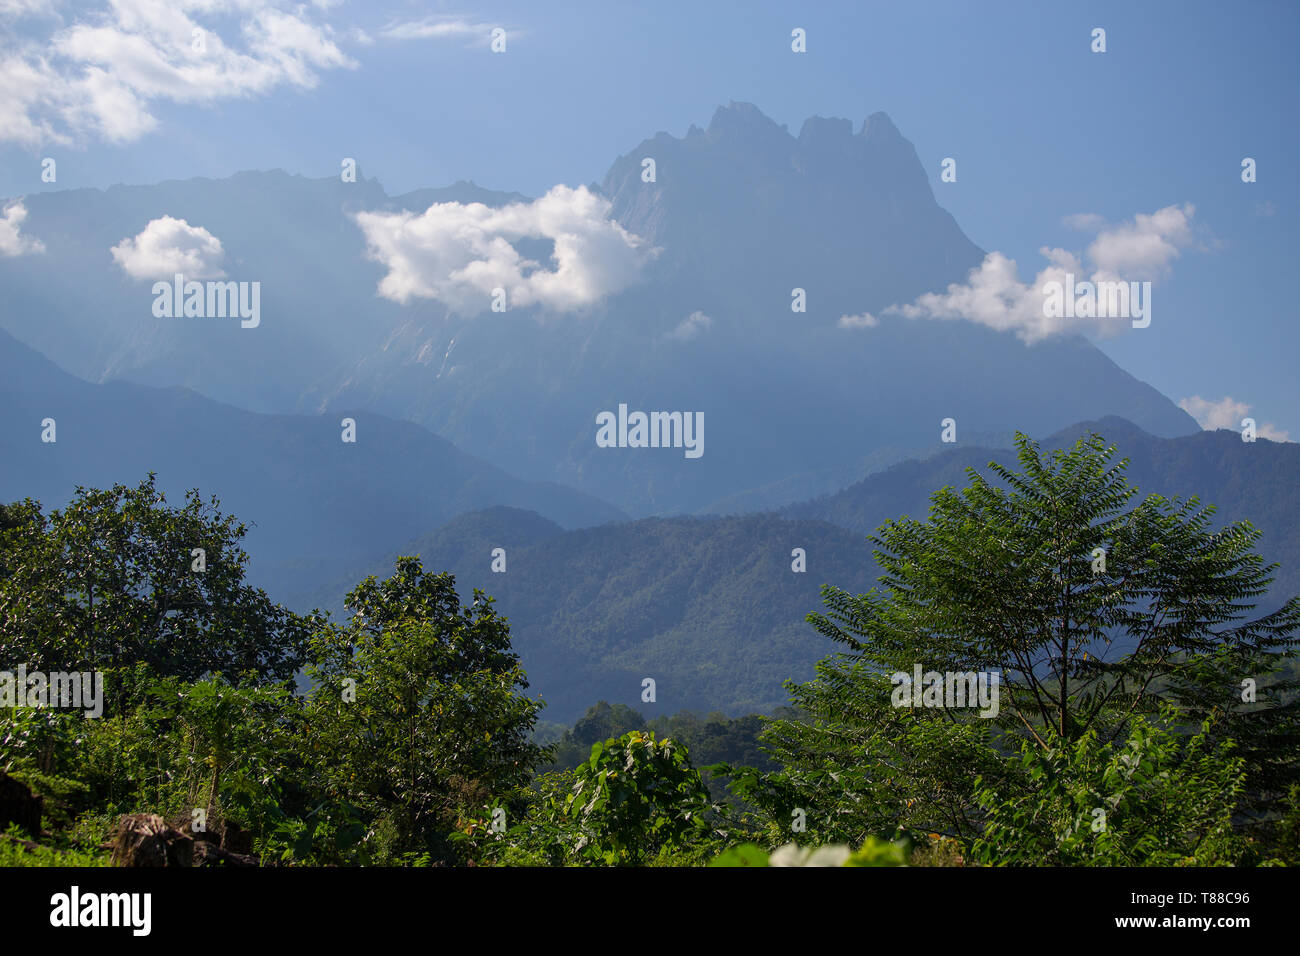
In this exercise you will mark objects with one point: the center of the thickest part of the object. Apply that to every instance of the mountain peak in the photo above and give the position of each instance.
(740, 117)
(817, 130)
(878, 127)
(829, 204)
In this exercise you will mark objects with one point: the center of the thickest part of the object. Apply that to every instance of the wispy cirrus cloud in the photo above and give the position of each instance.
(1084, 221)
(863, 320)
(436, 28)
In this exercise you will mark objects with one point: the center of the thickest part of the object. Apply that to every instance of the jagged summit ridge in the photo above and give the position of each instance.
(831, 205)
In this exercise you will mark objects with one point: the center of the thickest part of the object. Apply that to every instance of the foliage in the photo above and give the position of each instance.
(1283, 847)
(1006, 579)
(634, 801)
(601, 722)
(635, 795)
(16, 850)
(1157, 800)
(36, 738)
(712, 738)
(416, 711)
(414, 744)
(856, 766)
(108, 582)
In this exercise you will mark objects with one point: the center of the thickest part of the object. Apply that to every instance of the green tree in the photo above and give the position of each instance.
(1093, 610)
(110, 581)
(229, 745)
(11, 517)
(635, 797)
(853, 767)
(601, 722)
(634, 801)
(417, 716)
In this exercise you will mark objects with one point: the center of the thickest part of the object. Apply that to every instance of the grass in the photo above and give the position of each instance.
(16, 850)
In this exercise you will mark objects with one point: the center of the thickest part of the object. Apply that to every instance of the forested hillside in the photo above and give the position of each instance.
(1245, 481)
(710, 609)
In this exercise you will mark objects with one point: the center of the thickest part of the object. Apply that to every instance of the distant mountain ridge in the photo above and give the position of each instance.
(711, 608)
(742, 213)
(317, 504)
(1251, 481)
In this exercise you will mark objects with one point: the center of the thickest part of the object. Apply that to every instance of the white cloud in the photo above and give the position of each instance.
(691, 327)
(446, 27)
(167, 246)
(12, 242)
(435, 28)
(1227, 413)
(1144, 248)
(864, 320)
(101, 75)
(458, 253)
(993, 294)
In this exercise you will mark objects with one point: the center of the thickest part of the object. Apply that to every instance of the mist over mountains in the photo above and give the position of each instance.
(315, 504)
(740, 214)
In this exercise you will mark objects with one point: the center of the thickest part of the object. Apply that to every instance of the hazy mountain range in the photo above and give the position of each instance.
(316, 505)
(740, 214)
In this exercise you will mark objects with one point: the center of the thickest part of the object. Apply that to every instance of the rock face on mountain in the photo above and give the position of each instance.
(741, 214)
(848, 216)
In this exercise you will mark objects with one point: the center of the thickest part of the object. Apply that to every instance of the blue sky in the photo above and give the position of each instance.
(1041, 127)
